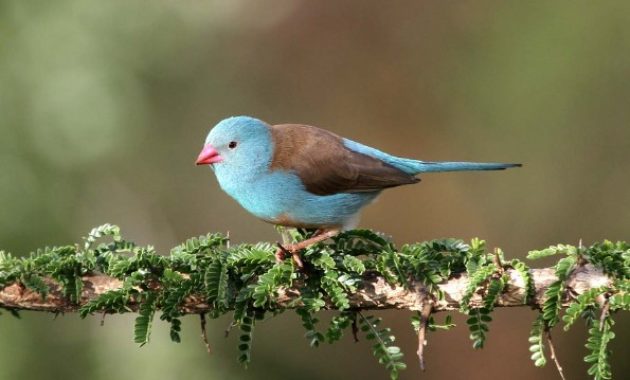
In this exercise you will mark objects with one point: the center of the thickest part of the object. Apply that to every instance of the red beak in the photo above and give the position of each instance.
(208, 155)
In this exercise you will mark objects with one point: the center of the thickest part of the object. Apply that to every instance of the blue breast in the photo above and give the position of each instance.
(280, 197)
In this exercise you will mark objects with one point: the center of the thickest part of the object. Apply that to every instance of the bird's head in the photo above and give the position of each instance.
(239, 145)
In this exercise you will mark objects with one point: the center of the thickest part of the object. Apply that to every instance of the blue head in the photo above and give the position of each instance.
(238, 149)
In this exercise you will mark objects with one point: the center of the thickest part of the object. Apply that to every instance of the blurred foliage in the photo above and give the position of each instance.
(246, 280)
(104, 105)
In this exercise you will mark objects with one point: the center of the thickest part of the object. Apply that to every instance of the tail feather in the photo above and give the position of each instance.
(413, 167)
(428, 166)
(417, 167)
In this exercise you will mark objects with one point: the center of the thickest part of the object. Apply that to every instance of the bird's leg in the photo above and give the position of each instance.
(281, 252)
(294, 249)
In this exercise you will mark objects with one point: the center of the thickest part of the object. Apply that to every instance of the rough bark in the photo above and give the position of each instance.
(375, 293)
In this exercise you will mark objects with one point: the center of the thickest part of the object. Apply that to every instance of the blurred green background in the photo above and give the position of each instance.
(105, 105)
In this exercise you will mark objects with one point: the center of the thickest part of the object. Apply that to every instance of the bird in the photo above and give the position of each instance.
(301, 176)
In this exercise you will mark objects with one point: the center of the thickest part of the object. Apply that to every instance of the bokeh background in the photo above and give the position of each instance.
(105, 105)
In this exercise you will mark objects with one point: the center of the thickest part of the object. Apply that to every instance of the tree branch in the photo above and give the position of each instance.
(373, 293)
(356, 271)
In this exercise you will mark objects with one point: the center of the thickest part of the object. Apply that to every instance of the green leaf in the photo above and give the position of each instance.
(476, 279)
(200, 244)
(523, 271)
(338, 323)
(265, 290)
(175, 330)
(331, 285)
(383, 348)
(245, 339)
(537, 345)
(552, 250)
(353, 264)
(599, 354)
(478, 326)
(114, 301)
(35, 283)
(494, 290)
(216, 282)
(324, 261)
(101, 231)
(553, 303)
(554, 294)
(576, 309)
(612, 258)
(142, 329)
(309, 321)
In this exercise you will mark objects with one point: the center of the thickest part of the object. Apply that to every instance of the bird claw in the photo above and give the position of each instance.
(281, 253)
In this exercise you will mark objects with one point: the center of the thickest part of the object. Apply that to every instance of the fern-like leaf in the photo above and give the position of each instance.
(577, 308)
(331, 285)
(536, 341)
(523, 271)
(114, 301)
(553, 303)
(36, 283)
(599, 354)
(383, 349)
(495, 288)
(552, 250)
(554, 294)
(100, 231)
(478, 325)
(216, 282)
(175, 330)
(245, 339)
(265, 290)
(620, 301)
(338, 323)
(142, 329)
(474, 282)
(309, 321)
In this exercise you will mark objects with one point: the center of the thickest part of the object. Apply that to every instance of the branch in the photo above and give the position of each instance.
(373, 293)
(356, 271)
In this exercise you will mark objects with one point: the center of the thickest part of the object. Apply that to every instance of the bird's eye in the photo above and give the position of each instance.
(232, 144)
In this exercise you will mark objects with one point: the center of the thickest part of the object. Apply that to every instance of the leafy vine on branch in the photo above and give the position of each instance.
(352, 273)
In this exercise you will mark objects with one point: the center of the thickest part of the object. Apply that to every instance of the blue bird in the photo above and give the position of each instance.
(307, 177)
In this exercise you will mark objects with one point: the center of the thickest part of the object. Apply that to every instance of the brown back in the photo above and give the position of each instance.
(326, 166)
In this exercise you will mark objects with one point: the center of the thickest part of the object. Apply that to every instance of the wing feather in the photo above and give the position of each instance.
(326, 166)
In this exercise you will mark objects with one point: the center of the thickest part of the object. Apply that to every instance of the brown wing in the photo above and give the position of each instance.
(326, 166)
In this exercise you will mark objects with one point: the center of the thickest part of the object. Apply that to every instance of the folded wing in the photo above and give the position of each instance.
(326, 166)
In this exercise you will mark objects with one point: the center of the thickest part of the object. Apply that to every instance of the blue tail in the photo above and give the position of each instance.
(414, 167)
(428, 166)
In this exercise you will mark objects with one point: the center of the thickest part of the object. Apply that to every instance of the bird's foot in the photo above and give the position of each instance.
(282, 251)
(294, 249)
